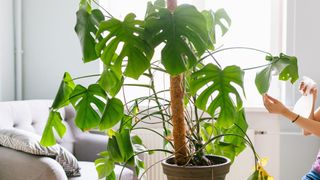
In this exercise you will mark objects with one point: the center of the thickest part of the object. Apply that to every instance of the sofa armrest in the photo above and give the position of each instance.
(88, 146)
(18, 165)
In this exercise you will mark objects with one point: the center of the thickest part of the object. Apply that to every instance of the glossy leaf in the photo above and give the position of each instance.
(185, 25)
(66, 87)
(112, 114)
(126, 123)
(111, 81)
(85, 4)
(104, 165)
(120, 146)
(135, 48)
(283, 66)
(112, 176)
(237, 141)
(85, 101)
(218, 81)
(86, 26)
(224, 149)
(54, 121)
(214, 21)
(154, 7)
(232, 145)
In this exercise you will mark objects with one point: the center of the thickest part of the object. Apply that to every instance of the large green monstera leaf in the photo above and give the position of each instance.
(85, 101)
(178, 29)
(54, 120)
(214, 21)
(214, 79)
(87, 22)
(284, 66)
(135, 48)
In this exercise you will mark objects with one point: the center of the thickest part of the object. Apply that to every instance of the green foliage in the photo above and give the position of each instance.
(135, 48)
(152, 8)
(283, 65)
(112, 114)
(66, 87)
(182, 31)
(87, 23)
(111, 80)
(214, 20)
(218, 81)
(120, 146)
(83, 100)
(233, 144)
(126, 49)
(54, 121)
(104, 165)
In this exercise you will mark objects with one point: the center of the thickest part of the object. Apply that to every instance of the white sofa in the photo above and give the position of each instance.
(32, 115)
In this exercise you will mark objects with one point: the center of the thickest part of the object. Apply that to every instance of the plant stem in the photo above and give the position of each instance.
(255, 67)
(247, 48)
(110, 15)
(210, 53)
(231, 48)
(158, 103)
(197, 118)
(83, 77)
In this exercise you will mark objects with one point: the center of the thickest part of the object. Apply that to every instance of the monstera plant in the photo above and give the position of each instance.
(204, 115)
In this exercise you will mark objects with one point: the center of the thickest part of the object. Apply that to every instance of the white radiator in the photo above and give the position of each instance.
(153, 141)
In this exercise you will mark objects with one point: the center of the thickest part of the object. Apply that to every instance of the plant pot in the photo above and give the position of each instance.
(218, 171)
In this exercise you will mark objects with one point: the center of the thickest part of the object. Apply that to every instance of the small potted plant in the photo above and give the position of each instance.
(202, 132)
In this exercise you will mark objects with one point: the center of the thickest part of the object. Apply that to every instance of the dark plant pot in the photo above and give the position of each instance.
(218, 171)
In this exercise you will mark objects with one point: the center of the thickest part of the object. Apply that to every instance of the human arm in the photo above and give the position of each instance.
(275, 106)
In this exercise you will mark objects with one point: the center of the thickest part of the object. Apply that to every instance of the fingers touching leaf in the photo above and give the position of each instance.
(284, 66)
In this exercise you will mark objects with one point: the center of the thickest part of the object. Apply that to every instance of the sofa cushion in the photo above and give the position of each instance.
(88, 171)
(32, 115)
(30, 143)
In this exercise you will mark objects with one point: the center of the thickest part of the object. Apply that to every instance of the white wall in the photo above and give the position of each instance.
(6, 51)
(51, 47)
(297, 153)
(303, 37)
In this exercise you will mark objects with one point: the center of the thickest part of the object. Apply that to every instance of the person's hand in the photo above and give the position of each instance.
(273, 105)
(304, 87)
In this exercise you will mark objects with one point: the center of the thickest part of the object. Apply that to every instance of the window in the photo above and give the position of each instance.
(251, 27)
